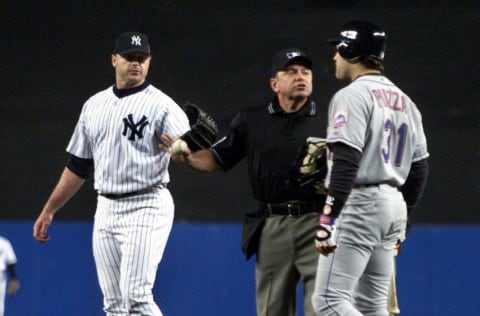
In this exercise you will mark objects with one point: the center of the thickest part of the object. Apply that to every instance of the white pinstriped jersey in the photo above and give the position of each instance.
(122, 136)
(7, 255)
(374, 116)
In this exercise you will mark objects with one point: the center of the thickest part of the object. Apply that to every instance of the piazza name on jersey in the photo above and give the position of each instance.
(390, 99)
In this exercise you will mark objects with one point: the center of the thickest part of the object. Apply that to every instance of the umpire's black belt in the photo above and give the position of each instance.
(289, 208)
(116, 196)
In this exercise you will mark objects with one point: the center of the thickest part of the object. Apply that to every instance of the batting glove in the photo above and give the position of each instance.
(324, 237)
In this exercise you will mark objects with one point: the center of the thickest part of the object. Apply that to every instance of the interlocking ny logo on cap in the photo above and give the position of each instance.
(136, 40)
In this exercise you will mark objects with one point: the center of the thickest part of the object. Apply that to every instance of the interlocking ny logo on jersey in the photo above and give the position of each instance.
(136, 129)
(136, 40)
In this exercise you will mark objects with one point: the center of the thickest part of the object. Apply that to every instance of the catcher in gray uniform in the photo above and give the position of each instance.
(377, 170)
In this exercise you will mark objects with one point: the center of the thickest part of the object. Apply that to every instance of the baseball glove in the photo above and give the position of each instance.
(310, 167)
(203, 129)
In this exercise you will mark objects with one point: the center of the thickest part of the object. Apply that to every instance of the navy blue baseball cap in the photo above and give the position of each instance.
(287, 57)
(129, 42)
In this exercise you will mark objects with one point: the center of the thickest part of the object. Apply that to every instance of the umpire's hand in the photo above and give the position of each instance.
(41, 225)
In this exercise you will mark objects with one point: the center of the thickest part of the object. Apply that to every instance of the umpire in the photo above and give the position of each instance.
(281, 231)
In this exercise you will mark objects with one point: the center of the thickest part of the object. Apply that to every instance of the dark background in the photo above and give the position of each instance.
(55, 54)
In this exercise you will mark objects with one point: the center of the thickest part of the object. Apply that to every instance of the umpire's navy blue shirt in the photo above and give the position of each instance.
(270, 139)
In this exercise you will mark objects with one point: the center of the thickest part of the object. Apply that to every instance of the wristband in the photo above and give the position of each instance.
(333, 206)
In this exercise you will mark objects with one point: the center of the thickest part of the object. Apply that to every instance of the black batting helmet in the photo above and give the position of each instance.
(360, 38)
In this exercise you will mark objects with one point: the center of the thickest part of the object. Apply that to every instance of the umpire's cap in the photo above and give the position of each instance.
(360, 38)
(129, 42)
(289, 56)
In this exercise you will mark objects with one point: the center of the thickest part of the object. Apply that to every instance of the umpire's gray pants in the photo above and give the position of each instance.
(286, 255)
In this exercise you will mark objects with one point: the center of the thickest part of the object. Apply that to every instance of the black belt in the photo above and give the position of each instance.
(365, 185)
(115, 196)
(290, 208)
(370, 185)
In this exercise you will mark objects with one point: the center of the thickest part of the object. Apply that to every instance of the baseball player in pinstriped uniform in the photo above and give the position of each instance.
(377, 172)
(118, 133)
(8, 272)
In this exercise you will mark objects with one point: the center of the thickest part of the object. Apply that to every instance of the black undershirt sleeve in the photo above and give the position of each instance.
(413, 187)
(12, 271)
(80, 166)
(346, 161)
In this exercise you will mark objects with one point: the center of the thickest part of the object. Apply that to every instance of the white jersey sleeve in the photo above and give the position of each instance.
(122, 136)
(7, 255)
(376, 118)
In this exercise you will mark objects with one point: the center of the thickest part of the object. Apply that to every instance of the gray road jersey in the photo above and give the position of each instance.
(122, 136)
(375, 117)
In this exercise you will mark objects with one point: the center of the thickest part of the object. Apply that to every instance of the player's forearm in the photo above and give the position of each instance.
(346, 161)
(13, 286)
(68, 184)
(413, 188)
